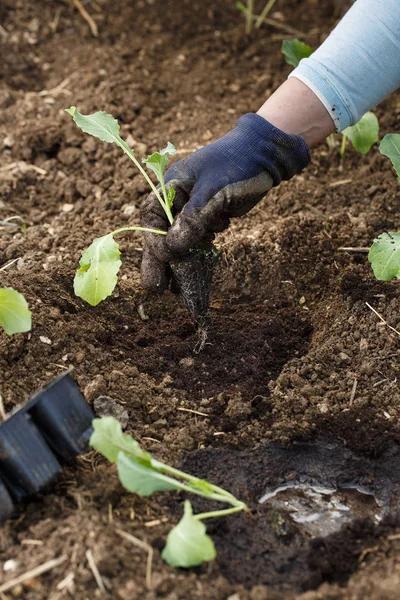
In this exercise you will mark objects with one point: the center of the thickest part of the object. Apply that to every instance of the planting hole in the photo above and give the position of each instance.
(320, 510)
(316, 506)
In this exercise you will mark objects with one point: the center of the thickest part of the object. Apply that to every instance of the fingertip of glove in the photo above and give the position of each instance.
(155, 278)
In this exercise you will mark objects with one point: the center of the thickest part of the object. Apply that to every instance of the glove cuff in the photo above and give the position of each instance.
(281, 154)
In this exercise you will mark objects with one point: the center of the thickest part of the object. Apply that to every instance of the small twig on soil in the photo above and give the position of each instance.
(341, 182)
(367, 551)
(47, 566)
(3, 268)
(353, 392)
(156, 522)
(66, 582)
(58, 89)
(95, 571)
(382, 319)
(195, 412)
(23, 167)
(380, 382)
(54, 23)
(85, 15)
(144, 546)
(355, 249)
(385, 357)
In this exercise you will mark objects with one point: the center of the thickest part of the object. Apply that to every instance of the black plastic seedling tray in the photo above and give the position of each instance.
(63, 416)
(6, 504)
(52, 428)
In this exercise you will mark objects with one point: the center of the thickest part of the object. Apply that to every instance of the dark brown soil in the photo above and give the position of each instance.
(292, 334)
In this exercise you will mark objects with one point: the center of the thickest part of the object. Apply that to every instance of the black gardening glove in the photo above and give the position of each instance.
(222, 180)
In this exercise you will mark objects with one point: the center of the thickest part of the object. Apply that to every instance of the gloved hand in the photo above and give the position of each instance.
(222, 180)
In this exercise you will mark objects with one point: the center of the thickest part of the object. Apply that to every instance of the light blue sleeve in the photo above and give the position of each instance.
(358, 65)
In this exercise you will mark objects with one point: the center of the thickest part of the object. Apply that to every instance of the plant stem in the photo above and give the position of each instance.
(249, 16)
(194, 480)
(133, 158)
(331, 141)
(134, 228)
(167, 206)
(221, 513)
(343, 145)
(264, 13)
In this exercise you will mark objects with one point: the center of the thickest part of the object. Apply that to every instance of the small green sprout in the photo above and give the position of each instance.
(96, 277)
(15, 316)
(248, 12)
(187, 544)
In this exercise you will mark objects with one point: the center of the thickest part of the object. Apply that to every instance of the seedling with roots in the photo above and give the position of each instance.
(96, 277)
(187, 544)
(363, 134)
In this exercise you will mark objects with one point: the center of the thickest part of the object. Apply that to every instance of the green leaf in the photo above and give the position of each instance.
(294, 51)
(188, 544)
(390, 147)
(171, 196)
(15, 316)
(364, 133)
(169, 149)
(100, 124)
(96, 278)
(384, 256)
(158, 161)
(108, 439)
(140, 477)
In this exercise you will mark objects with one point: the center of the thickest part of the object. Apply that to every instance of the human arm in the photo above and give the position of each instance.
(356, 67)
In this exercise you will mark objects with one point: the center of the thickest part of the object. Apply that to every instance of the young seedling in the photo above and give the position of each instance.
(187, 544)
(384, 254)
(15, 316)
(96, 277)
(248, 12)
(364, 133)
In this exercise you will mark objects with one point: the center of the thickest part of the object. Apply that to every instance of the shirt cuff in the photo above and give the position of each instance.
(333, 100)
